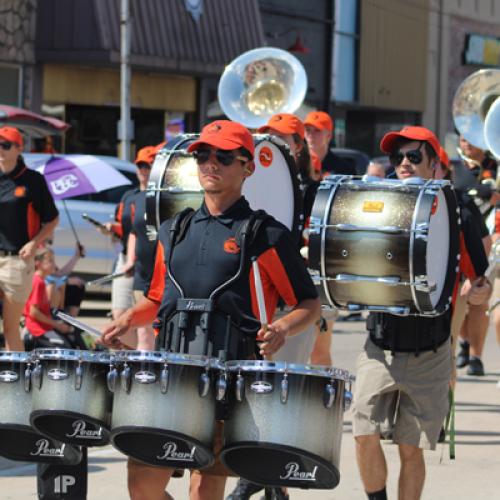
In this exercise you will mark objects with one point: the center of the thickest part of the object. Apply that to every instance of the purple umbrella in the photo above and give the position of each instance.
(73, 175)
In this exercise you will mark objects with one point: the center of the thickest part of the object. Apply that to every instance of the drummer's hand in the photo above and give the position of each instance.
(128, 269)
(274, 338)
(464, 291)
(115, 329)
(480, 291)
(62, 327)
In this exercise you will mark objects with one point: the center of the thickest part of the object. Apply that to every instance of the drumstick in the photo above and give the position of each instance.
(105, 279)
(82, 326)
(259, 292)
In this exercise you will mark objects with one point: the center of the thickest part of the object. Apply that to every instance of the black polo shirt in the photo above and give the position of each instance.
(124, 215)
(145, 243)
(25, 204)
(336, 165)
(208, 255)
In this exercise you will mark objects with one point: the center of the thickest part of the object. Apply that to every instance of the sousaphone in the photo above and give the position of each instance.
(260, 83)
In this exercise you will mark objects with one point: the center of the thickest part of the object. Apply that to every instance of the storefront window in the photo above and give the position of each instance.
(345, 51)
(10, 76)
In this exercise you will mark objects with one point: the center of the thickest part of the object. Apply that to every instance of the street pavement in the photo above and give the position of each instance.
(474, 474)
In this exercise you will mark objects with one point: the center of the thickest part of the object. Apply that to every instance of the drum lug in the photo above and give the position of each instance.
(240, 387)
(164, 379)
(204, 384)
(27, 378)
(78, 376)
(111, 378)
(284, 389)
(37, 376)
(126, 378)
(221, 387)
(329, 394)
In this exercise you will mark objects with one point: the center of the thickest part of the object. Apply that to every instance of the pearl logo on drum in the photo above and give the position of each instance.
(57, 374)
(44, 449)
(293, 473)
(171, 453)
(80, 431)
(191, 305)
(145, 377)
(8, 376)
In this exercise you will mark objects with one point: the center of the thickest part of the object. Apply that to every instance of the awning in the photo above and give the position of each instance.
(164, 35)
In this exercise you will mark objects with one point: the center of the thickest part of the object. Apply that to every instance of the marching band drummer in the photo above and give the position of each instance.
(408, 357)
(206, 255)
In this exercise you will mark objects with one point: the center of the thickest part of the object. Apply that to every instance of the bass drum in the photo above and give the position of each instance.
(274, 186)
(387, 245)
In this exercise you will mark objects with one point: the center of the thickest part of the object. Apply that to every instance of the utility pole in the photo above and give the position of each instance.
(125, 124)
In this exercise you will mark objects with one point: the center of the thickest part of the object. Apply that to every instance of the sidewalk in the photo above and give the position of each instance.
(473, 475)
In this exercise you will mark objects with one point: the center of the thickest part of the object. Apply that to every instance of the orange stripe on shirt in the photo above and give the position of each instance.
(117, 226)
(33, 223)
(275, 283)
(157, 285)
(466, 265)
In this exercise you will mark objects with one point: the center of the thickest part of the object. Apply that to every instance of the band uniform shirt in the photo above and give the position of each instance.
(145, 243)
(39, 298)
(124, 216)
(333, 164)
(208, 255)
(25, 204)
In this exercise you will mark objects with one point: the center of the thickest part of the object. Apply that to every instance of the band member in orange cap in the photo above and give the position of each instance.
(211, 250)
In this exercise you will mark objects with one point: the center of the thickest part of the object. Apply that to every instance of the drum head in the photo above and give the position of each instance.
(438, 247)
(173, 183)
(161, 448)
(70, 427)
(273, 186)
(21, 442)
(270, 464)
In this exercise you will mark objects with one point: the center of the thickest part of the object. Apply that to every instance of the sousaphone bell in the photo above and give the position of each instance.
(260, 83)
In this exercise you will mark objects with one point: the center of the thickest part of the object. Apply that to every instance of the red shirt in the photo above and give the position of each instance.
(38, 297)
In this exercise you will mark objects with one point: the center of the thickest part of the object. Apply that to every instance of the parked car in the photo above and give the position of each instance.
(101, 250)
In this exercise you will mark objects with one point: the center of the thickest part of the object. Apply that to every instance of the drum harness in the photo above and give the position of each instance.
(245, 236)
(407, 333)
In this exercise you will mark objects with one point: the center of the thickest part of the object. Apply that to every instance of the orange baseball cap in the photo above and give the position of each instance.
(284, 123)
(146, 155)
(11, 134)
(225, 134)
(315, 161)
(409, 132)
(443, 157)
(320, 120)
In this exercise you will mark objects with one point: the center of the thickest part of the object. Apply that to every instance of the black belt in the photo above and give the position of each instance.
(7, 253)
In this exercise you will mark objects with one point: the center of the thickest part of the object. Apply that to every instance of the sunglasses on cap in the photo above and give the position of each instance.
(6, 145)
(224, 157)
(414, 156)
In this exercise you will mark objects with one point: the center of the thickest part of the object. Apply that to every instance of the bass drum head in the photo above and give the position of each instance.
(438, 247)
(173, 183)
(274, 186)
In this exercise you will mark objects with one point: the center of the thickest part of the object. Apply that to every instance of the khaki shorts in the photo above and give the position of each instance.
(16, 277)
(421, 384)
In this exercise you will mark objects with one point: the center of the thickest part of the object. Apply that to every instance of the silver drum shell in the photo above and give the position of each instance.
(18, 440)
(294, 443)
(172, 429)
(67, 406)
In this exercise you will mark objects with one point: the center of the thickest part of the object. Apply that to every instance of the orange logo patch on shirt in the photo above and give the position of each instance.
(266, 157)
(230, 246)
(20, 191)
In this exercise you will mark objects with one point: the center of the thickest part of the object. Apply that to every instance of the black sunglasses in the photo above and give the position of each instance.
(414, 156)
(6, 145)
(223, 156)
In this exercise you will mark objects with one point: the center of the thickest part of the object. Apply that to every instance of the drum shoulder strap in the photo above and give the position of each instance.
(248, 230)
(179, 225)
